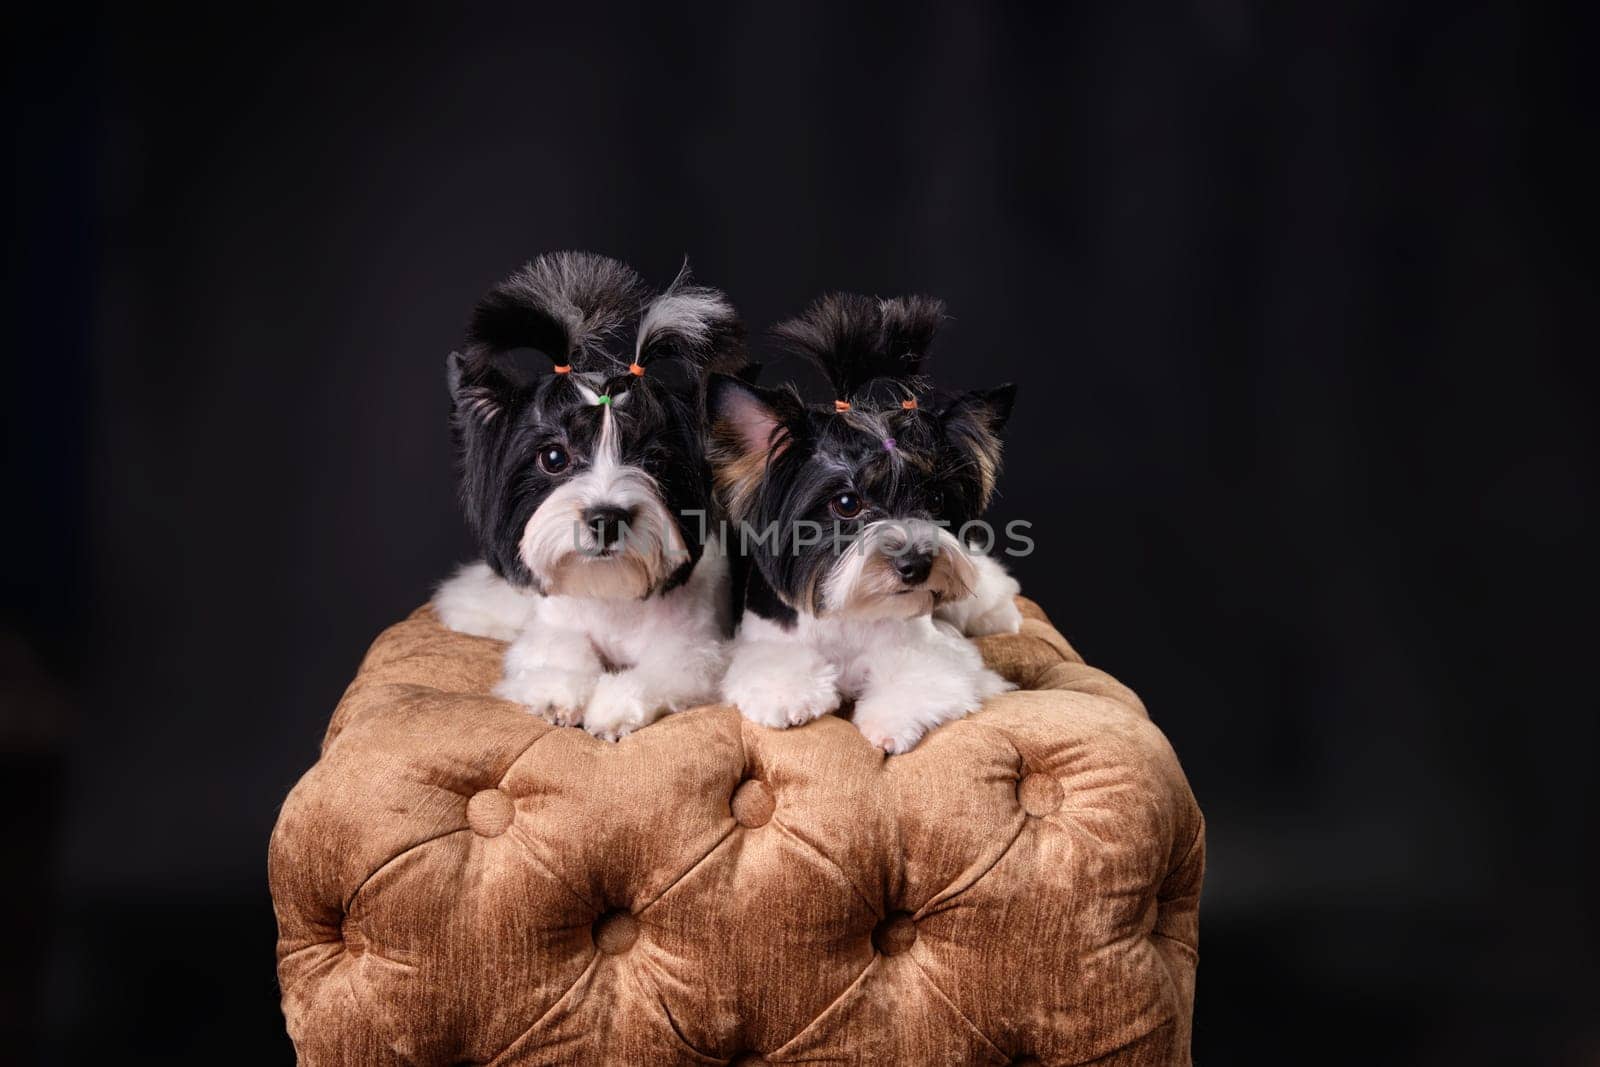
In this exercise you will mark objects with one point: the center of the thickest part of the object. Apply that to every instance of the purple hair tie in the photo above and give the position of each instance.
(888, 444)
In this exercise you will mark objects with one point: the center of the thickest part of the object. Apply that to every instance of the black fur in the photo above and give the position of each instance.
(571, 306)
(757, 596)
(908, 325)
(852, 340)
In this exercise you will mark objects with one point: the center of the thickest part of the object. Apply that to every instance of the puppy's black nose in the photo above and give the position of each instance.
(913, 567)
(607, 523)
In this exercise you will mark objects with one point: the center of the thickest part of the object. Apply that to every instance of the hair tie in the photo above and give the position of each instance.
(636, 370)
(909, 405)
(563, 368)
(841, 405)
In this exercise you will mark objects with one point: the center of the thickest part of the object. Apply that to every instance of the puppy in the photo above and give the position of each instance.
(588, 492)
(846, 515)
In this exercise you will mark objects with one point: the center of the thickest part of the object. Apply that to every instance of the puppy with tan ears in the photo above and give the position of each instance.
(845, 515)
(588, 491)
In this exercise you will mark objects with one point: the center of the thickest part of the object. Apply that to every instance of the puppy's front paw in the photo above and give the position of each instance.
(476, 601)
(781, 697)
(892, 740)
(556, 695)
(780, 710)
(1003, 617)
(989, 684)
(895, 717)
(992, 607)
(617, 708)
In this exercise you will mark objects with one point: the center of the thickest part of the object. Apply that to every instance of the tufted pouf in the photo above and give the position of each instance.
(457, 881)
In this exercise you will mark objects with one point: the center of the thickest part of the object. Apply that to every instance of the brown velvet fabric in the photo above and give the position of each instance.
(458, 881)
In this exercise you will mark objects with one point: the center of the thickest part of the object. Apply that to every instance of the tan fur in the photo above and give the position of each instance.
(988, 460)
(737, 481)
(736, 474)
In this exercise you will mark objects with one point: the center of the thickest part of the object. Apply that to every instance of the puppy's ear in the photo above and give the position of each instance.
(971, 424)
(748, 426)
(989, 409)
(746, 419)
(479, 390)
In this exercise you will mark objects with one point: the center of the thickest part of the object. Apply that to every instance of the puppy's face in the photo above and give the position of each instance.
(853, 513)
(575, 493)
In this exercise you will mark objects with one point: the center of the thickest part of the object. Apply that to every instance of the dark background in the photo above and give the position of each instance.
(1298, 303)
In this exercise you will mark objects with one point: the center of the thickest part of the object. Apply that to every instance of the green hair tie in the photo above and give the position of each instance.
(605, 399)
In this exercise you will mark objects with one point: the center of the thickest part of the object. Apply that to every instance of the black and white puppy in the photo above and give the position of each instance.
(588, 491)
(858, 586)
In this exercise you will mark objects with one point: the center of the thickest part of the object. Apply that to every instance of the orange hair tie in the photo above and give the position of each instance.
(563, 368)
(636, 370)
(909, 405)
(841, 405)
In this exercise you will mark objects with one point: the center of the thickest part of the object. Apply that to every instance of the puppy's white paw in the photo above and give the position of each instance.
(895, 713)
(787, 708)
(476, 601)
(991, 609)
(893, 738)
(556, 695)
(618, 707)
(777, 695)
(1003, 617)
(989, 684)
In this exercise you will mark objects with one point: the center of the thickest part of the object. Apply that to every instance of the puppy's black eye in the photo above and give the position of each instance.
(553, 460)
(845, 506)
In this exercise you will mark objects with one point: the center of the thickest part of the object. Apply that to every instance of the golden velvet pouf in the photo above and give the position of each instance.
(457, 881)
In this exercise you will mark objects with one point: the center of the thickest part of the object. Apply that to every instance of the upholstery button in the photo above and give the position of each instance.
(489, 812)
(354, 943)
(616, 932)
(1039, 794)
(895, 934)
(753, 804)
